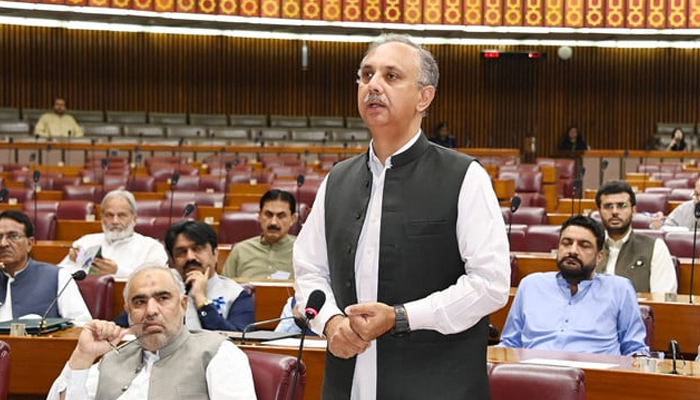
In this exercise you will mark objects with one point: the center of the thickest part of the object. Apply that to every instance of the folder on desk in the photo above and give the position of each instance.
(34, 326)
(258, 336)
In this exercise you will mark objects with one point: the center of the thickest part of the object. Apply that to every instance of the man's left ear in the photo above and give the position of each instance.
(427, 94)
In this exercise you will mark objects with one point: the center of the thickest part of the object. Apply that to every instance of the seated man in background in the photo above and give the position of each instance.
(270, 254)
(576, 309)
(682, 216)
(644, 260)
(58, 123)
(27, 286)
(216, 302)
(165, 361)
(121, 249)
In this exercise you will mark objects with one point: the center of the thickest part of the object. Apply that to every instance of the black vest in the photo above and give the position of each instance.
(633, 261)
(419, 255)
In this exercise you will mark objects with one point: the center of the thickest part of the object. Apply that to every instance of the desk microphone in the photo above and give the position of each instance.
(575, 190)
(514, 205)
(36, 176)
(675, 349)
(3, 194)
(227, 168)
(94, 159)
(173, 182)
(137, 161)
(603, 167)
(180, 145)
(105, 167)
(300, 182)
(66, 153)
(78, 275)
(692, 262)
(10, 140)
(187, 211)
(316, 300)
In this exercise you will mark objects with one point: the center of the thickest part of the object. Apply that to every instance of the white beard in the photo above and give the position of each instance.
(113, 236)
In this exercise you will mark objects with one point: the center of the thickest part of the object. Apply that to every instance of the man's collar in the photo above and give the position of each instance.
(611, 242)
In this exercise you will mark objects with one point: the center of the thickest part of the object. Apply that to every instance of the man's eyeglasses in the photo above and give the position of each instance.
(612, 206)
(11, 237)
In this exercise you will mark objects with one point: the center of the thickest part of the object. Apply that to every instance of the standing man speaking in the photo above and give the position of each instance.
(408, 242)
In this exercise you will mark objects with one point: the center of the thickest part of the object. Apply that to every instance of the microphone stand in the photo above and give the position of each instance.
(580, 189)
(36, 177)
(78, 275)
(105, 166)
(173, 182)
(246, 329)
(94, 160)
(304, 330)
(223, 203)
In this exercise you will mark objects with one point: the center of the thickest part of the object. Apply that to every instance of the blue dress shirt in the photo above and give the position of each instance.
(602, 317)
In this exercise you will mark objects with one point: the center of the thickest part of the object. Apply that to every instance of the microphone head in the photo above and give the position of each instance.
(316, 300)
(181, 141)
(104, 162)
(93, 141)
(300, 180)
(515, 203)
(674, 348)
(697, 210)
(228, 166)
(10, 140)
(188, 210)
(604, 164)
(36, 176)
(32, 157)
(138, 158)
(583, 171)
(175, 178)
(79, 275)
(3, 194)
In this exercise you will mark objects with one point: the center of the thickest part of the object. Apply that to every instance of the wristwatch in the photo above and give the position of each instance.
(206, 303)
(401, 324)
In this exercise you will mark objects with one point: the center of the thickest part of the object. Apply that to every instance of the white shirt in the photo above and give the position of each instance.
(70, 303)
(663, 273)
(483, 245)
(129, 253)
(228, 377)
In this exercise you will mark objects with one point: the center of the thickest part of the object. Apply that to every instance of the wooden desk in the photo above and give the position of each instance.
(37, 361)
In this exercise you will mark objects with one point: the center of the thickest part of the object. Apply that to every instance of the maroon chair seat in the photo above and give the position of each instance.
(238, 226)
(693, 176)
(83, 192)
(521, 381)
(530, 216)
(664, 190)
(59, 183)
(163, 172)
(187, 183)
(542, 238)
(150, 208)
(64, 209)
(680, 244)
(45, 223)
(97, 291)
(652, 202)
(648, 319)
(22, 195)
(148, 161)
(155, 227)
(679, 183)
(211, 183)
(517, 237)
(139, 183)
(531, 199)
(5, 354)
(199, 198)
(273, 375)
(680, 194)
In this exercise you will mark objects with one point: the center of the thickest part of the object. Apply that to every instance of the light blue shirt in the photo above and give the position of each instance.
(602, 317)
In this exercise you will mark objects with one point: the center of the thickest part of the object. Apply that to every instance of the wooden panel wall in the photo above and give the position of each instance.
(615, 96)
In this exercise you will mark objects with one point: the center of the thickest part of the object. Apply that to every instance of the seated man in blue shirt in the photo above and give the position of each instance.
(576, 309)
(215, 302)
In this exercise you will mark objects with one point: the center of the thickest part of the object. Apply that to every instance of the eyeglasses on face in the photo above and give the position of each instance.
(611, 206)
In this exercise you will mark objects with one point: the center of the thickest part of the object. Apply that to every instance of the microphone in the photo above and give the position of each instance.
(300, 182)
(603, 167)
(228, 170)
(180, 144)
(36, 176)
(692, 262)
(514, 205)
(173, 182)
(94, 166)
(32, 158)
(78, 275)
(66, 160)
(675, 349)
(316, 300)
(10, 140)
(137, 161)
(188, 210)
(105, 166)
(575, 191)
(3, 194)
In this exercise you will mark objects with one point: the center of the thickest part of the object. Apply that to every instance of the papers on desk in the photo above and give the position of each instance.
(568, 363)
(294, 342)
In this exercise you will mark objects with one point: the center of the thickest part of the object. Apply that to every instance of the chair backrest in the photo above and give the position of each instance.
(652, 202)
(530, 216)
(273, 375)
(4, 370)
(97, 291)
(680, 244)
(45, 223)
(237, 226)
(542, 238)
(536, 382)
(648, 319)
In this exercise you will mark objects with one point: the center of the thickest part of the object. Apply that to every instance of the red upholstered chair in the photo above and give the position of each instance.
(661, 176)
(141, 184)
(64, 209)
(199, 198)
(4, 370)
(655, 233)
(679, 183)
(680, 244)
(523, 381)
(507, 215)
(542, 238)
(250, 207)
(648, 319)
(83, 192)
(150, 208)
(652, 202)
(649, 168)
(530, 216)
(155, 227)
(211, 183)
(664, 190)
(115, 181)
(238, 226)
(693, 176)
(59, 183)
(273, 375)
(187, 183)
(680, 194)
(22, 195)
(178, 207)
(44, 224)
(148, 161)
(514, 271)
(97, 292)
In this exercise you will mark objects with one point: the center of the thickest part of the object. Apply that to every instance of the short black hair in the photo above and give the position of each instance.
(615, 187)
(587, 223)
(197, 231)
(20, 217)
(277, 194)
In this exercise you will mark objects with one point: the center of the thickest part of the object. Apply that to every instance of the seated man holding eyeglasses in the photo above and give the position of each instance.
(644, 260)
(28, 287)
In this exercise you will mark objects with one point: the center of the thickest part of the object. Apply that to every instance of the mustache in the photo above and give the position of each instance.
(192, 263)
(373, 97)
(572, 258)
(273, 228)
